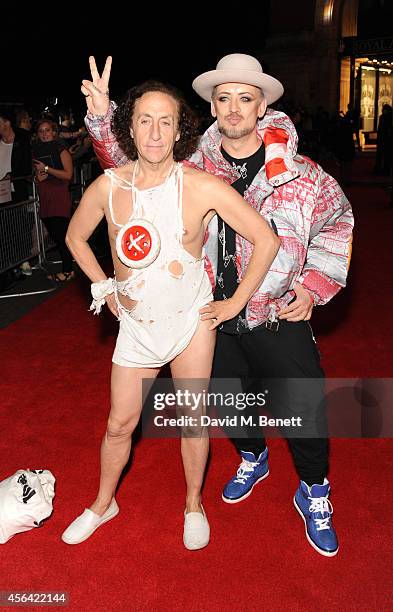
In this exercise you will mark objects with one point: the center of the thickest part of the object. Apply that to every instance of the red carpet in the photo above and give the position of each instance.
(55, 381)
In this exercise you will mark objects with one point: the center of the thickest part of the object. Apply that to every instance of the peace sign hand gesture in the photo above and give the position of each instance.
(96, 91)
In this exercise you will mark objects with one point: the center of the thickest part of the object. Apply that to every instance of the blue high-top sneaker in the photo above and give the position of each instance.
(250, 472)
(315, 509)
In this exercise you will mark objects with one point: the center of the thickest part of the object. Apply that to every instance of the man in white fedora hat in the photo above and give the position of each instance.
(237, 66)
(254, 148)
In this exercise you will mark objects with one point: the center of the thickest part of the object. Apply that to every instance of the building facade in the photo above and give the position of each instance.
(334, 53)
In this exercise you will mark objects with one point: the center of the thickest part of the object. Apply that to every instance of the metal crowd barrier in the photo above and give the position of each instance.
(23, 238)
(83, 176)
(18, 234)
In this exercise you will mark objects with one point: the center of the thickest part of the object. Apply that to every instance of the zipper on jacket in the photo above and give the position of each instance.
(274, 226)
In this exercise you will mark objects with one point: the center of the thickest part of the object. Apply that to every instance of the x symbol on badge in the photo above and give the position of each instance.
(134, 243)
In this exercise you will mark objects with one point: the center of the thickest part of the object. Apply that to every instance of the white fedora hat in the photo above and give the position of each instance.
(238, 68)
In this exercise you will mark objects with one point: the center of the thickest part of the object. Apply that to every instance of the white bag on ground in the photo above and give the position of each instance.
(25, 501)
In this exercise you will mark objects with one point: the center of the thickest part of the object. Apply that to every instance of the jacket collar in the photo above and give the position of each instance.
(279, 136)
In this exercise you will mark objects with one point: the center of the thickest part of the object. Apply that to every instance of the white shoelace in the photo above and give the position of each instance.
(322, 505)
(244, 467)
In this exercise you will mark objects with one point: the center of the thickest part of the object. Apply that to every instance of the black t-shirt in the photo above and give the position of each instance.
(227, 279)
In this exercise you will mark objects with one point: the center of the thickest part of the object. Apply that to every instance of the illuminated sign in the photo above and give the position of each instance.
(368, 46)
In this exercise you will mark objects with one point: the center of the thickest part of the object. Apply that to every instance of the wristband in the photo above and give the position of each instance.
(99, 291)
(46, 168)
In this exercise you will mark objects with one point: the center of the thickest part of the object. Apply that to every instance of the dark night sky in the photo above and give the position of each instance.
(48, 56)
(45, 54)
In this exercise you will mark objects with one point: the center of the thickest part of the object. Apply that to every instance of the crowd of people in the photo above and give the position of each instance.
(56, 156)
(336, 137)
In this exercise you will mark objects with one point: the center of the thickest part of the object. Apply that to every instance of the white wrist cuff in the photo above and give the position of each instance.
(99, 291)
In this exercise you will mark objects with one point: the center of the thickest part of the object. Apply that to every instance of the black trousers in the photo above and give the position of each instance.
(57, 229)
(278, 360)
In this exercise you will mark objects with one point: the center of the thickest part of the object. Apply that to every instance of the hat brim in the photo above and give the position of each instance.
(205, 83)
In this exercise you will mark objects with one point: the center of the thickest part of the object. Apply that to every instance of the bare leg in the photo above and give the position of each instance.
(126, 406)
(195, 362)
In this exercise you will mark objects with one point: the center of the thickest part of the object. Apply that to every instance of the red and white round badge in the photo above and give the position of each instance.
(138, 243)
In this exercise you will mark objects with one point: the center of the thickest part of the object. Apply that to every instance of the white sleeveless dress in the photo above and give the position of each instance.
(169, 292)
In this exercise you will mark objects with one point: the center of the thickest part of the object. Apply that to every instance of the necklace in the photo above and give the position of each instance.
(138, 243)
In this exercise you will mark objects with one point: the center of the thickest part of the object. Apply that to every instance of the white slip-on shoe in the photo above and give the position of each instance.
(86, 524)
(196, 530)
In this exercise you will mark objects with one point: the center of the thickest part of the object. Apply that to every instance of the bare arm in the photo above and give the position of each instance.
(99, 116)
(248, 223)
(84, 221)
